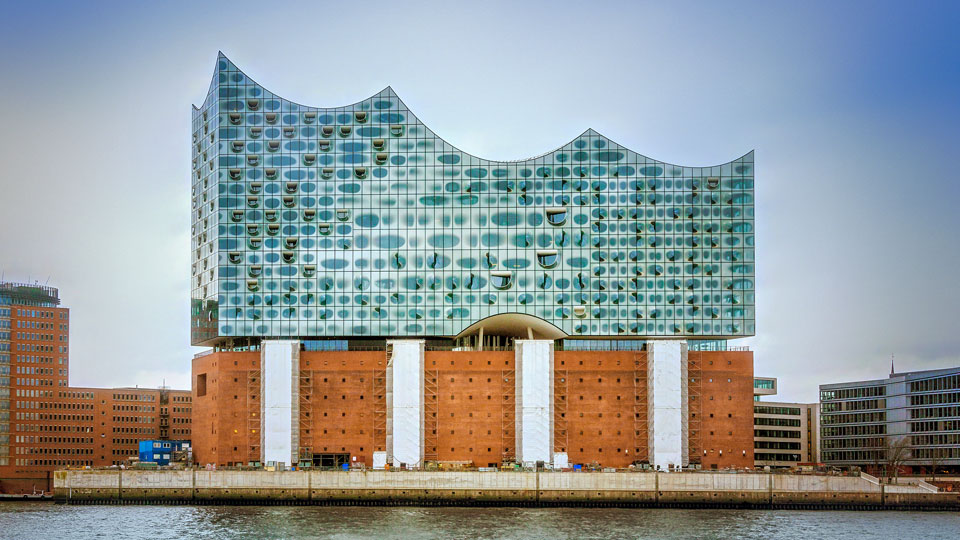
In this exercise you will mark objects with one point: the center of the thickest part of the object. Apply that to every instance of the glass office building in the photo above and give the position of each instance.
(913, 415)
(359, 222)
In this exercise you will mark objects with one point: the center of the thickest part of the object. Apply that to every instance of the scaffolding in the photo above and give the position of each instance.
(640, 398)
(380, 402)
(695, 404)
(560, 410)
(164, 413)
(508, 416)
(253, 412)
(431, 417)
(306, 420)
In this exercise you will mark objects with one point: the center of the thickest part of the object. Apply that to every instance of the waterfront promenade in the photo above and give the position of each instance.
(528, 488)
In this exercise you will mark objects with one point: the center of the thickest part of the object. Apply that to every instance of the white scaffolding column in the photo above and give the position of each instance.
(405, 402)
(280, 401)
(534, 401)
(667, 406)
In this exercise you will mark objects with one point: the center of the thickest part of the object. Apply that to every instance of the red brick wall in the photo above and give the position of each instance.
(604, 390)
(474, 423)
(226, 418)
(727, 401)
(469, 406)
(339, 403)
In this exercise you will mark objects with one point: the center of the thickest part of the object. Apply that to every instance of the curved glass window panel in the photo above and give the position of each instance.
(556, 216)
(501, 280)
(548, 258)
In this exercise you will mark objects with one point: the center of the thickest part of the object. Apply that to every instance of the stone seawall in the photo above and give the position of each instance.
(702, 489)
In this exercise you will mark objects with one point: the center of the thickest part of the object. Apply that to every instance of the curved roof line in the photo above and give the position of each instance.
(517, 321)
(389, 89)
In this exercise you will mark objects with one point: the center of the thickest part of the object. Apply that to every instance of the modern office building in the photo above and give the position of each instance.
(914, 414)
(785, 434)
(45, 424)
(321, 232)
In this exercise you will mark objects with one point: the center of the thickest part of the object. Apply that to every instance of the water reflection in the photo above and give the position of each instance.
(38, 520)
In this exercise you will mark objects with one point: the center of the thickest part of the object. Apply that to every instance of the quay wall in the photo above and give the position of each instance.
(702, 489)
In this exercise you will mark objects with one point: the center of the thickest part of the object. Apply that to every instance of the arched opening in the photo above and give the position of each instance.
(498, 332)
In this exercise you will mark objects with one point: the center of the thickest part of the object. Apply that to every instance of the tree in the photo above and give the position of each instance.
(896, 451)
(937, 457)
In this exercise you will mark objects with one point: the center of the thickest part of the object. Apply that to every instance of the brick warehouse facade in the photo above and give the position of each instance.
(469, 415)
(49, 425)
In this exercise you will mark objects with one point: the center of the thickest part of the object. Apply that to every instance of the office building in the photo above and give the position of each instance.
(785, 434)
(45, 424)
(909, 420)
(321, 233)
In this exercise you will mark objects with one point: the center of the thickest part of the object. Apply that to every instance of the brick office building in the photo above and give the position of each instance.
(45, 424)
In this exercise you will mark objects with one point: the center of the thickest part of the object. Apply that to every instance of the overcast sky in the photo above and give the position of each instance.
(853, 109)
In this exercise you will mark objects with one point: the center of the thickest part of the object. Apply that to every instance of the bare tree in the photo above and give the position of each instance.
(896, 451)
(937, 457)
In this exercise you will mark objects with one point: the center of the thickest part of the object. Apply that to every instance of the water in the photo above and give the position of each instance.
(46, 520)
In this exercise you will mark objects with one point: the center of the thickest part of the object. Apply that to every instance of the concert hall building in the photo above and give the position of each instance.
(372, 294)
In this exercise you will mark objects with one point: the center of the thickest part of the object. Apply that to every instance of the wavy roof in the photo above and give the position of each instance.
(225, 66)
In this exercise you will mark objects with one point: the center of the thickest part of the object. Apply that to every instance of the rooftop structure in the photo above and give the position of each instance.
(360, 222)
(25, 294)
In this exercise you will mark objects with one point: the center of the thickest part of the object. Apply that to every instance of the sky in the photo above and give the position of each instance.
(853, 109)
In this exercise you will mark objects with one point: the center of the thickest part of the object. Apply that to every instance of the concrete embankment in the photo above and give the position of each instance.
(423, 488)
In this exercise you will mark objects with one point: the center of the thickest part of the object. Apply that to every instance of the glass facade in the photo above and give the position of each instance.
(863, 421)
(359, 221)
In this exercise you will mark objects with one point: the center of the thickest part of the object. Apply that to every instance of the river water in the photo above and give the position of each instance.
(33, 520)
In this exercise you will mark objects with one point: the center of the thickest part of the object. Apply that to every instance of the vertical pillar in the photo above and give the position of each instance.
(534, 400)
(405, 402)
(667, 406)
(279, 401)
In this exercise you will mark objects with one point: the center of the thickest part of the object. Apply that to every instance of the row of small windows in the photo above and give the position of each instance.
(936, 453)
(935, 399)
(783, 411)
(134, 397)
(851, 393)
(935, 425)
(951, 382)
(935, 412)
(859, 405)
(38, 314)
(853, 418)
(933, 440)
(776, 433)
(870, 442)
(776, 445)
(782, 422)
(763, 456)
